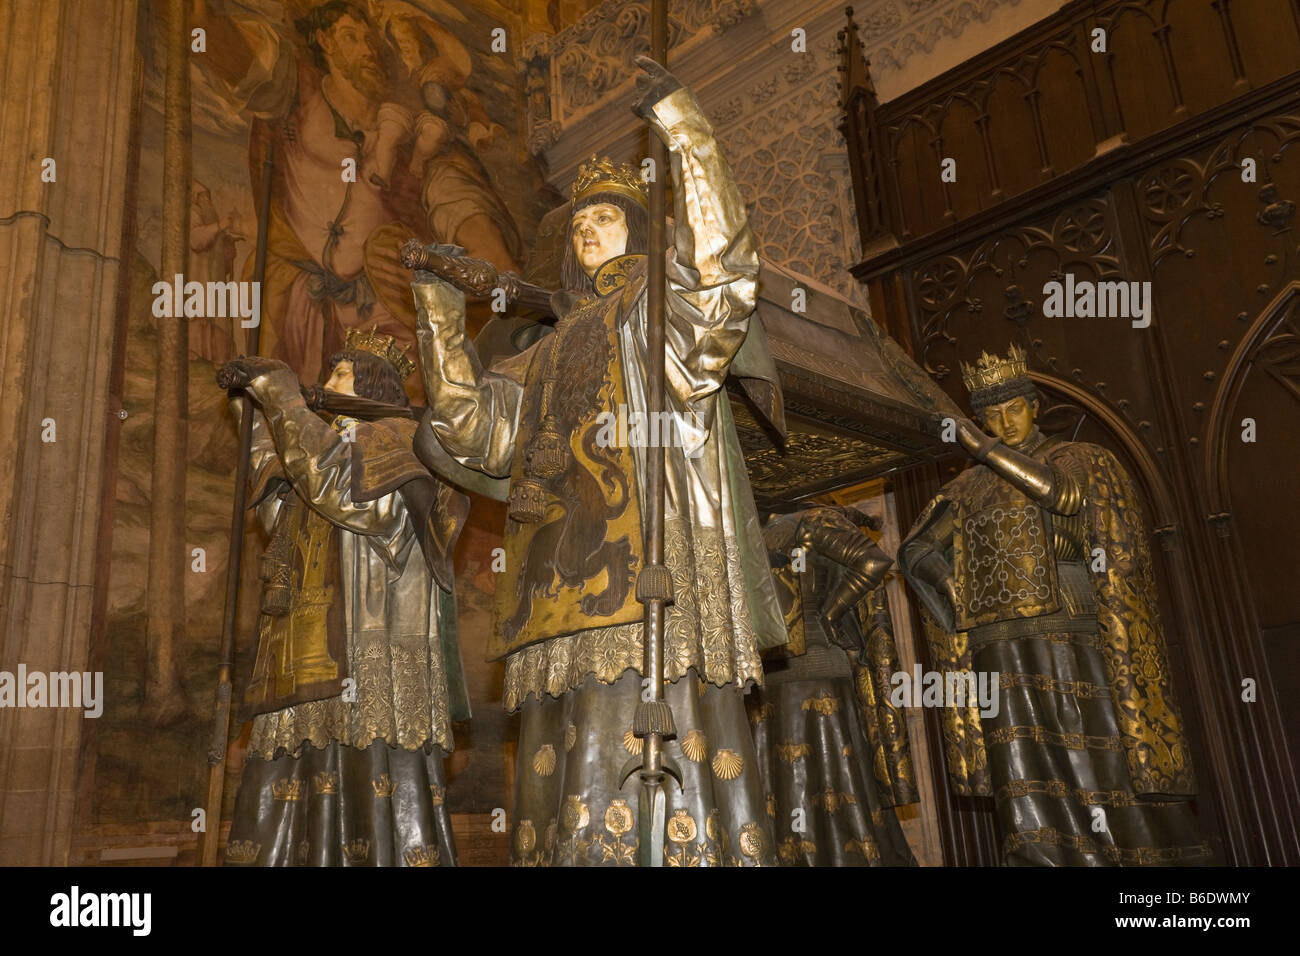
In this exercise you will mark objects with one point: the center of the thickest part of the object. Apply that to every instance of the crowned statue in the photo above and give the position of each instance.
(357, 676)
(568, 623)
(1034, 565)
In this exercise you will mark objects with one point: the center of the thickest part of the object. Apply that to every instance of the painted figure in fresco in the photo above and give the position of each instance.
(318, 92)
(1034, 565)
(832, 749)
(357, 674)
(212, 259)
(446, 126)
(567, 620)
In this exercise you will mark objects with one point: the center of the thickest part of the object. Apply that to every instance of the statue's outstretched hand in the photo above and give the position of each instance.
(238, 372)
(652, 84)
(976, 443)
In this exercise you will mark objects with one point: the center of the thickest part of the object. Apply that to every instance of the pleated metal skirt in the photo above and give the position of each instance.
(339, 806)
(571, 811)
(815, 762)
(1056, 758)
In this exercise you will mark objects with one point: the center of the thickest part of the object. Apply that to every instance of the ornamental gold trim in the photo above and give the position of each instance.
(793, 848)
(824, 704)
(865, 847)
(831, 801)
(1041, 735)
(790, 752)
(713, 825)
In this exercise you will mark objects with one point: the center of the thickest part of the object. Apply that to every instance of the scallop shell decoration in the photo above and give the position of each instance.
(727, 764)
(695, 746)
(631, 744)
(544, 760)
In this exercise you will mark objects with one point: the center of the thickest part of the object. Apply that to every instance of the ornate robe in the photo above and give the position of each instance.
(1085, 758)
(357, 676)
(830, 744)
(567, 621)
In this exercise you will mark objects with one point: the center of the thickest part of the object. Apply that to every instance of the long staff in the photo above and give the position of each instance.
(221, 709)
(653, 719)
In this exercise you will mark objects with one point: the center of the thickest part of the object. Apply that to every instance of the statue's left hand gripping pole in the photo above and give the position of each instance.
(221, 710)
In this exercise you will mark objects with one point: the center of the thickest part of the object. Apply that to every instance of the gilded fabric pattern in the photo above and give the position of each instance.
(885, 724)
(401, 699)
(964, 748)
(709, 628)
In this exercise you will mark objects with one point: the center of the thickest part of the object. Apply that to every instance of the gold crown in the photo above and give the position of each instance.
(993, 370)
(385, 346)
(242, 851)
(326, 782)
(287, 789)
(422, 855)
(358, 851)
(602, 176)
(383, 785)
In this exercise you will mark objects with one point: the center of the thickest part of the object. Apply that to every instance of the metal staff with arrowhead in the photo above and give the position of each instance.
(653, 720)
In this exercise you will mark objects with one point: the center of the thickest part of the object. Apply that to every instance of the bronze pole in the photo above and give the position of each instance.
(221, 710)
(653, 721)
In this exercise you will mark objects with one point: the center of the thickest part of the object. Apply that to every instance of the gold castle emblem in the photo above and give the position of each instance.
(991, 370)
(602, 176)
(384, 346)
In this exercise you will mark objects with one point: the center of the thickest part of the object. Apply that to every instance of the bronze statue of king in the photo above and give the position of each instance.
(1034, 565)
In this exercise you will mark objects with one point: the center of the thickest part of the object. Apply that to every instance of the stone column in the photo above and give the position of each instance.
(67, 73)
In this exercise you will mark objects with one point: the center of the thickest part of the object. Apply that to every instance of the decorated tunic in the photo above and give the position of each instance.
(565, 605)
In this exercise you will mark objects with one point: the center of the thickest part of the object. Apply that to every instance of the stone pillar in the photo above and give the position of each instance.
(67, 73)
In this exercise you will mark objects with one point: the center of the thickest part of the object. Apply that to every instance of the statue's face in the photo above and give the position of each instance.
(1012, 421)
(599, 233)
(340, 379)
